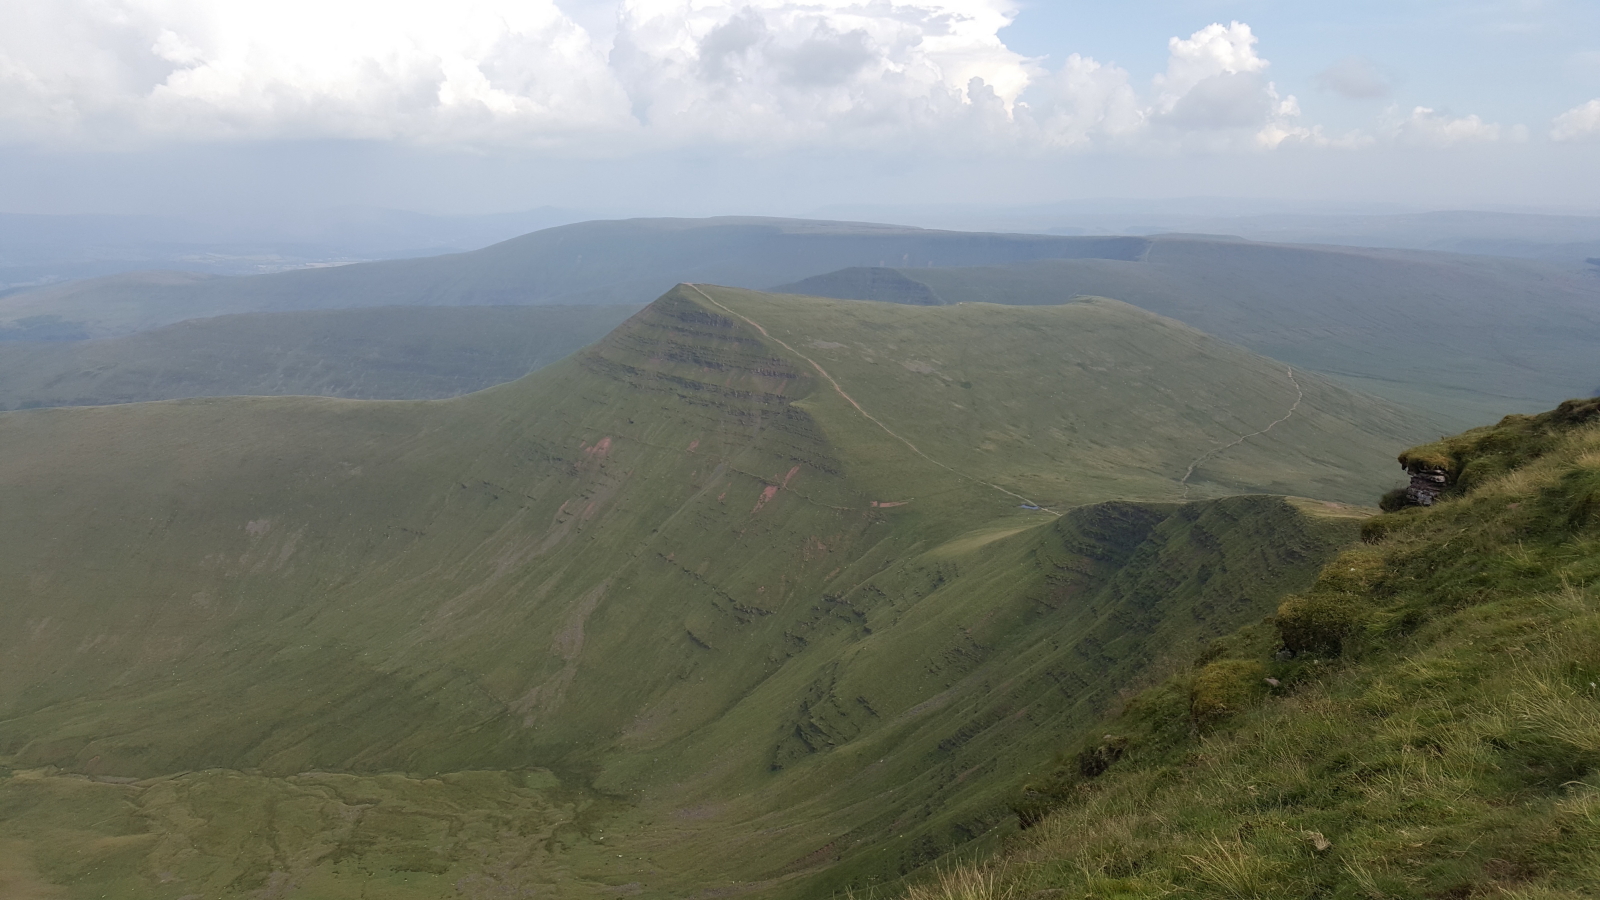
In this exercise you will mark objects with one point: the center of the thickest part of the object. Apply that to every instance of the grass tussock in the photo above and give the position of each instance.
(964, 883)
(1424, 722)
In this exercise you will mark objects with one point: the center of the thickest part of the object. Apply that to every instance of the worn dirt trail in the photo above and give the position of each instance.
(1299, 396)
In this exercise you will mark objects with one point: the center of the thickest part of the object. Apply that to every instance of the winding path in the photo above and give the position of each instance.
(869, 416)
(1299, 396)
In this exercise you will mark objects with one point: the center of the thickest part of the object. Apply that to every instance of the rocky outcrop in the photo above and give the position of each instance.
(1427, 483)
(1457, 464)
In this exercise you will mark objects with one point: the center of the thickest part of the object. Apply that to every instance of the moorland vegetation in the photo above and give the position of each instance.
(999, 589)
(764, 594)
(1422, 722)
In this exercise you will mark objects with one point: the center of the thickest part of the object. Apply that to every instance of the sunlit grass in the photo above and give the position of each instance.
(1453, 749)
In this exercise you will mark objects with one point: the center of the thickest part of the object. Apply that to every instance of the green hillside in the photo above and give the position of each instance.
(1422, 722)
(718, 603)
(376, 354)
(1429, 330)
(607, 263)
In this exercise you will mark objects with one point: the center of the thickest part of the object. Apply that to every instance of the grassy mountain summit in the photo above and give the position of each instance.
(1425, 329)
(761, 593)
(1422, 722)
(1079, 402)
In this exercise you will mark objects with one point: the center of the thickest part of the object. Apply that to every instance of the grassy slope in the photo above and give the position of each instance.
(1422, 329)
(1436, 735)
(1085, 407)
(662, 570)
(798, 791)
(372, 354)
(602, 263)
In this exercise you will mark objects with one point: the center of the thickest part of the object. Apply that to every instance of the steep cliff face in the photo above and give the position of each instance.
(1427, 483)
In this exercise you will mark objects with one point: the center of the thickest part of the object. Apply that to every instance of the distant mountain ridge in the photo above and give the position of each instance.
(1550, 237)
(605, 263)
(379, 353)
(41, 249)
(1468, 337)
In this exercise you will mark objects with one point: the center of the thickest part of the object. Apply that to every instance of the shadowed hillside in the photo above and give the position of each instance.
(716, 603)
(370, 354)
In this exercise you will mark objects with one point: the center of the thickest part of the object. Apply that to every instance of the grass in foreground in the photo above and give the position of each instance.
(1424, 722)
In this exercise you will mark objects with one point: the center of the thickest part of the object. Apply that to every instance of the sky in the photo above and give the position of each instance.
(781, 106)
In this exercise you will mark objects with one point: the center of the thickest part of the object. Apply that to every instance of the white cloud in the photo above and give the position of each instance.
(750, 71)
(1082, 103)
(334, 68)
(1216, 51)
(472, 70)
(1577, 123)
(756, 74)
(777, 70)
(1215, 94)
(1430, 128)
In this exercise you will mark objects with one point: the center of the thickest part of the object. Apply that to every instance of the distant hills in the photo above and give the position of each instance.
(38, 250)
(602, 263)
(41, 249)
(1551, 237)
(1464, 337)
(760, 593)
(381, 353)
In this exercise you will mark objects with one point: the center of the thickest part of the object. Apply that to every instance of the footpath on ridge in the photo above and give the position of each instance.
(869, 416)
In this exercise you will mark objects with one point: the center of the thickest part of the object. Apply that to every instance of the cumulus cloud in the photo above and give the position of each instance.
(1082, 103)
(1354, 77)
(1215, 83)
(518, 70)
(777, 70)
(1577, 123)
(1431, 128)
(302, 68)
(758, 74)
(1216, 51)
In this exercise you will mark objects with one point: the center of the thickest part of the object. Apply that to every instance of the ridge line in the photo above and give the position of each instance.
(858, 408)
